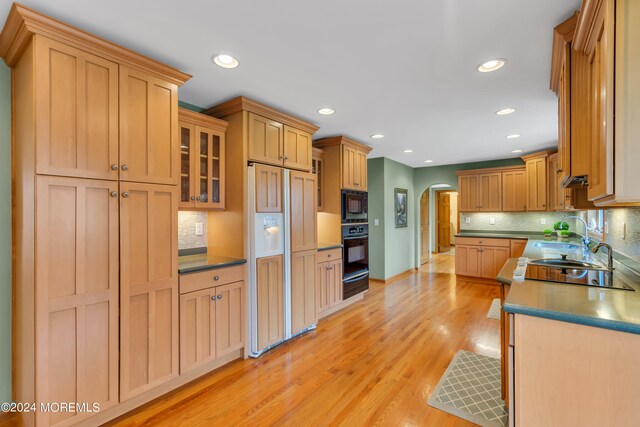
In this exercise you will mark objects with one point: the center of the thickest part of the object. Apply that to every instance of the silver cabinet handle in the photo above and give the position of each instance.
(114, 194)
(193, 197)
(220, 296)
(114, 167)
(198, 198)
(125, 168)
(125, 194)
(213, 297)
(216, 278)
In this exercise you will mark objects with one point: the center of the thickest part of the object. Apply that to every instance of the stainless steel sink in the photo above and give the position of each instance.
(568, 263)
(556, 245)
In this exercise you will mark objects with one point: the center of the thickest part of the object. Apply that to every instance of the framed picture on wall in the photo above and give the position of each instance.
(400, 205)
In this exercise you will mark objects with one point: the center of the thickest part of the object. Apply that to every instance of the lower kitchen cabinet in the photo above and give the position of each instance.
(517, 247)
(329, 287)
(211, 324)
(481, 257)
(303, 290)
(270, 293)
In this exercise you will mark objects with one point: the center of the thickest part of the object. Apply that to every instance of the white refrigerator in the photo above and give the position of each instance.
(270, 255)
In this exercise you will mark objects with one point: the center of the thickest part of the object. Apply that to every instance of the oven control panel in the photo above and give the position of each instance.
(355, 230)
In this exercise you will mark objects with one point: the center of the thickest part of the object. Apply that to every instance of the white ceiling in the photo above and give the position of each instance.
(406, 69)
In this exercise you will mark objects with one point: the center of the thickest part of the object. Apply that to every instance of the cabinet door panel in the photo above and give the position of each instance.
(188, 158)
(148, 286)
(468, 260)
(362, 170)
(268, 189)
(297, 149)
(335, 283)
(229, 318)
(149, 150)
(468, 188)
(490, 192)
(514, 191)
(303, 290)
(266, 140)
(349, 168)
(323, 283)
(493, 259)
(209, 168)
(537, 184)
(197, 329)
(76, 293)
(77, 111)
(270, 285)
(304, 229)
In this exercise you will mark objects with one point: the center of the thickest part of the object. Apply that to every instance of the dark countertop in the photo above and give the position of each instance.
(613, 309)
(202, 262)
(326, 246)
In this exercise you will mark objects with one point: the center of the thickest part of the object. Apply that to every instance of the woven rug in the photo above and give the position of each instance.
(494, 310)
(470, 389)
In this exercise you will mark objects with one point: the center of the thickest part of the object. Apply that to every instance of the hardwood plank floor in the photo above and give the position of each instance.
(374, 363)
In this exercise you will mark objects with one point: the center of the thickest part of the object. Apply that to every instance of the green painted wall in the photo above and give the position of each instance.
(375, 183)
(399, 250)
(5, 233)
(423, 178)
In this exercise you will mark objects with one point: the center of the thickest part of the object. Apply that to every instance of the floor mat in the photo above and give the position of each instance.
(470, 389)
(494, 310)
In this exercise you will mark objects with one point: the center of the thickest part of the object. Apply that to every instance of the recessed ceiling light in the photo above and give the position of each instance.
(408, 151)
(428, 161)
(377, 136)
(516, 151)
(225, 61)
(492, 65)
(326, 111)
(515, 135)
(505, 111)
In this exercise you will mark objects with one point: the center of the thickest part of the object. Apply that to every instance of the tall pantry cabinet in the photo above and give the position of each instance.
(96, 172)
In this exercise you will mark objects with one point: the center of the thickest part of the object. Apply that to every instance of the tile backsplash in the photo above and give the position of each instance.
(187, 238)
(624, 231)
(514, 221)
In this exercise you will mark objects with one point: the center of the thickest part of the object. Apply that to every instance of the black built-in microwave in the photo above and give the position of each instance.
(354, 206)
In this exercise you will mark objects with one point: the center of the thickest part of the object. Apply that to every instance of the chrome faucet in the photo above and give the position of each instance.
(609, 252)
(585, 240)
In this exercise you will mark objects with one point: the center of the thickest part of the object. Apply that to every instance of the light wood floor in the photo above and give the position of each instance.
(375, 363)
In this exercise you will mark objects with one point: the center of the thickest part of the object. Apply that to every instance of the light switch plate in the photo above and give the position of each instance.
(492, 221)
(467, 220)
(199, 229)
(376, 222)
(543, 221)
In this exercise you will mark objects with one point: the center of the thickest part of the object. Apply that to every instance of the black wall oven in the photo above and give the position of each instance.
(355, 259)
(354, 206)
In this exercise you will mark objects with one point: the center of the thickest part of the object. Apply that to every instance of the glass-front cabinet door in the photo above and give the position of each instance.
(202, 149)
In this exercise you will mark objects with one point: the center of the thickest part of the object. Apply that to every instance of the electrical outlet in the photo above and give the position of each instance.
(199, 229)
(543, 221)
(467, 220)
(492, 221)
(376, 222)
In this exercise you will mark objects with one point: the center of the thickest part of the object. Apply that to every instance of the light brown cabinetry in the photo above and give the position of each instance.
(148, 286)
(536, 166)
(103, 230)
(514, 190)
(202, 161)
(480, 191)
(266, 137)
(303, 290)
(517, 247)
(481, 257)
(211, 324)
(268, 189)
(348, 160)
(270, 300)
(317, 168)
(77, 293)
(297, 149)
(304, 228)
(329, 289)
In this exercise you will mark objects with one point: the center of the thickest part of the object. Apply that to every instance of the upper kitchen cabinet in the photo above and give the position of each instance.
(480, 190)
(536, 189)
(348, 161)
(514, 190)
(202, 161)
(272, 137)
(317, 168)
(606, 36)
(99, 110)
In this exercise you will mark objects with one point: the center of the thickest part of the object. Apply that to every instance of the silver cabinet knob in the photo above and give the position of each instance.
(198, 198)
(125, 194)
(193, 197)
(125, 168)
(114, 167)
(213, 297)
(114, 194)
(220, 296)
(216, 278)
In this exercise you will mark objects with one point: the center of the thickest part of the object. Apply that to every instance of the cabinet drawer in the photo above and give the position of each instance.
(329, 255)
(207, 279)
(482, 241)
